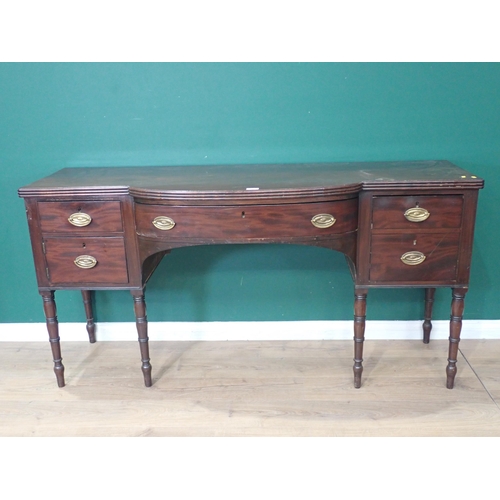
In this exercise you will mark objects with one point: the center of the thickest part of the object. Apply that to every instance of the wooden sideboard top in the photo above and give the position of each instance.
(251, 181)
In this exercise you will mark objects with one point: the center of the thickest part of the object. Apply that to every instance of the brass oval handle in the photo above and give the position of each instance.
(85, 261)
(323, 220)
(80, 219)
(417, 214)
(413, 258)
(164, 223)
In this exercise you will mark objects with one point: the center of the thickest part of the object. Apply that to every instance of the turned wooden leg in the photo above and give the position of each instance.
(359, 334)
(142, 329)
(457, 311)
(49, 308)
(87, 302)
(429, 302)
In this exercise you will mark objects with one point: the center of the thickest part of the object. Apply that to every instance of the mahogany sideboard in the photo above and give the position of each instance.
(399, 224)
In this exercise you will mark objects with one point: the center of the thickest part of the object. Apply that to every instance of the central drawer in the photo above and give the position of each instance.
(247, 221)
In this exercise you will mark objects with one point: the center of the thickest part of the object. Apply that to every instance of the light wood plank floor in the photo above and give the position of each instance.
(293, 388)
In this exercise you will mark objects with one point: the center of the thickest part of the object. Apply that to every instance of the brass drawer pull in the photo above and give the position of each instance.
(85, 261)
(163, 223)
(417, 214)
(80, 219)
(413, 258)
(323, 221)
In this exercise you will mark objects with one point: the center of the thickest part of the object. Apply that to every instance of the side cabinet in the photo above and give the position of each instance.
(83, 244)
(416, 238)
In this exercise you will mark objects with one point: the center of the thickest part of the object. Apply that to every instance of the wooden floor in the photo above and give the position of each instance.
(293, 388)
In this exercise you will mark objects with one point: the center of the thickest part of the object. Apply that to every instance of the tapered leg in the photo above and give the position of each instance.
(87, 302)
(429, 302)
(142, 329)
(49, 308)
(457, 311)
(359, 334)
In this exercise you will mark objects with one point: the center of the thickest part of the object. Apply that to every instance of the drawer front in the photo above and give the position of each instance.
(252, 221)
(85, 217)
(431, 212)
(440, 252)
(86, 260)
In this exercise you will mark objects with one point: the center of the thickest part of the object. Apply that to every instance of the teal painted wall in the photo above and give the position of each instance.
(55, 115)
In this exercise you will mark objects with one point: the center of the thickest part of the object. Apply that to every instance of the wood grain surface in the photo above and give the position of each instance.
(252, 221)
(278, 388)
(253, 183)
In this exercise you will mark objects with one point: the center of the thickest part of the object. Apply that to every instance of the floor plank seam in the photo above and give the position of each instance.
(479, 378)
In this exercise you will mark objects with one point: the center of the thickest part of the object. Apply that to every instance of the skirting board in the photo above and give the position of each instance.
(249, 330)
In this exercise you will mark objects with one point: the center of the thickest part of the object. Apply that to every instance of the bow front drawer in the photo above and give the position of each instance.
(86, 260)
(80, 217)
(417, 212)
(250, 221)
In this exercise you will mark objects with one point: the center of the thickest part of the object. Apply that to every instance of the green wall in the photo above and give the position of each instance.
(56, 115)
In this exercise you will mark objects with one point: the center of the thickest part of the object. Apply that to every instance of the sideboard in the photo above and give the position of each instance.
(399, 224)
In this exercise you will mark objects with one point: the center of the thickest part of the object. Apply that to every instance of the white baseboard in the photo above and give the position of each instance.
(249, 330)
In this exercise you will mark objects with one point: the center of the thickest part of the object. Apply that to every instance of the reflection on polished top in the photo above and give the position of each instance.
(219, 182)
